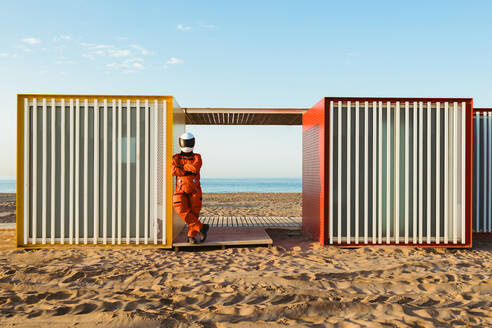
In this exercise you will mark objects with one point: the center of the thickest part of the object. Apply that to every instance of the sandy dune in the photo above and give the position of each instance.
(296, 282)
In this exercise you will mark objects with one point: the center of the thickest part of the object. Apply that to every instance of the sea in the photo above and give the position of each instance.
(220, 185)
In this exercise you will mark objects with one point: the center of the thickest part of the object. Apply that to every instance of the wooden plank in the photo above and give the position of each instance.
(229, 236)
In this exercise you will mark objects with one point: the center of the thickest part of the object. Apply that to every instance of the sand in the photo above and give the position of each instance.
(295, 283)
(7, 208)
(252, 204)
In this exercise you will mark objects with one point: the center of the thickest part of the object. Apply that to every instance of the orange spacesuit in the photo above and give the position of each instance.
(187, 197)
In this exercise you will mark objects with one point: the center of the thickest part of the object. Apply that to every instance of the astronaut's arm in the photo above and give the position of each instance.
(176, 168)
(195, 166)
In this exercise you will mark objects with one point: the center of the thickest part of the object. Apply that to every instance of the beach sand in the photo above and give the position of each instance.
(7, 208)
(296, 282)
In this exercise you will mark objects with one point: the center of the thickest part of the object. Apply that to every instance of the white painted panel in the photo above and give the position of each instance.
(455, 172)
(164, 173)
(446, 171)
(349, 169)
(380, 173)
(72, 177)
(397, 172)
(438, 171)
(421, 170)
(487, 224)
(146, 184)
(76, 158)
(330, 176)
(339, 173)
(415, 172)
(44, 168)
(26, 170)
(374, 170)
(128, 166)
(366, 171)
(86, 171)
(406, 152)
(120, 167)
(62, 171)
(357, 134)
(105, 172)
(429, 171)
(114, 148)
(52, 168)
(463, 170)
(137, 175)
(154, 140)
(96, 173)
(35, 150)
(388, 172)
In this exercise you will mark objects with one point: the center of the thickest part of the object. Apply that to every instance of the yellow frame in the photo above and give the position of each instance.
(20, 165)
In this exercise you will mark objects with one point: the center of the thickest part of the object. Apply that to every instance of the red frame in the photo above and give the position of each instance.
(316, 116)
(482, 234)
(313, 116)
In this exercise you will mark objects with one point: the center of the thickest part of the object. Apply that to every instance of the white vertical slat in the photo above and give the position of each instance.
(388, 171)
(380, 173)
(86, 171)
(330, 177)
(114, 144)
(374, 169)
(488, 223)
(26, 170)
(146, 184)
(366, 170)
(339, 173)
(406, 152)
(71, 213)
(128, 166)
(483, 184)
(349, 169)
(429, 171)
(96, 172)
(446, 171)
(52, 168)
(397, 172)
(154, 142)
(34, 169)
(438, 172)
(414, 171)
(164, 171)
(463, 170)
(120, 166)
(105, 171)
(44, 173)
(476, 160)
(137, 175)
(421, 169)
(357, 133)
(455, 171)
(62, 172)
(76, 158)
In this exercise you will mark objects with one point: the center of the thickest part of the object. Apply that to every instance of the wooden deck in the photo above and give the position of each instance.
(288, 222)
(227, 236)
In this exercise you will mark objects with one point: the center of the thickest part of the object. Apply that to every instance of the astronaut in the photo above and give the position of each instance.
(187, 197)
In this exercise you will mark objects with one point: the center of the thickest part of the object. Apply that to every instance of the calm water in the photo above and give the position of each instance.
(220, 185)
(7, 185)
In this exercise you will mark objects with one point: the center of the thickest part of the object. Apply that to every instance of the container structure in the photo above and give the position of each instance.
(388, 171)
(96, 170)
(482, 177)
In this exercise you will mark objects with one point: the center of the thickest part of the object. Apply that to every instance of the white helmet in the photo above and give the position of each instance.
(187, 142)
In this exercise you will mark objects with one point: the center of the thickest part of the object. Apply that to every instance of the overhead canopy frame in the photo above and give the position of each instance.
(244, 116)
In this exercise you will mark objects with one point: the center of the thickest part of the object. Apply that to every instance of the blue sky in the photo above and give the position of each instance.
(243, 54)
